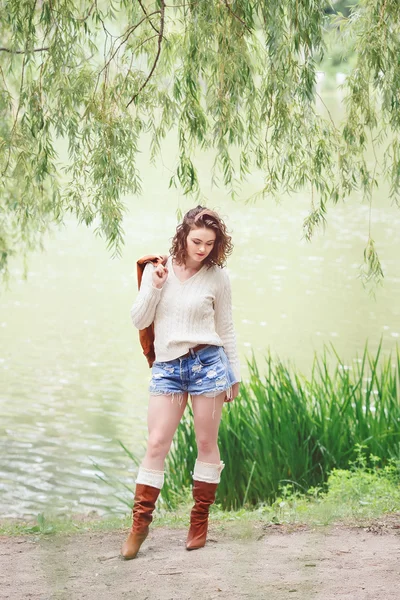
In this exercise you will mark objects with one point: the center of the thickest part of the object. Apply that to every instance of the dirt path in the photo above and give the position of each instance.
(267, 563)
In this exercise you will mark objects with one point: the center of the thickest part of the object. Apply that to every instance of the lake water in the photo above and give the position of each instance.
(73, 379)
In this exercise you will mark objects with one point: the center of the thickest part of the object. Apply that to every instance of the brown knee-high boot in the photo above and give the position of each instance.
(144, 505)
(203, 495)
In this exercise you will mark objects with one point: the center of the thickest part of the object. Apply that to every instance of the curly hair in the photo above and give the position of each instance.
(202, 217)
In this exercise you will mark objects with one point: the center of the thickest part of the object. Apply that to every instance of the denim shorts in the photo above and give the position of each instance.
(206, 372)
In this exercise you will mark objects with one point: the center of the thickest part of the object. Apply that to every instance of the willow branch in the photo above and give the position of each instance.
(160, 38)
(16, 116)
(24, 51)
(237, 16)
(148, 16)
(83, 19)
(382, 13)
(126, 36)
(144, 42)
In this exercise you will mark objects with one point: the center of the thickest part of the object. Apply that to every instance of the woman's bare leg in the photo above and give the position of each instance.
(163, 418)
(206, 427)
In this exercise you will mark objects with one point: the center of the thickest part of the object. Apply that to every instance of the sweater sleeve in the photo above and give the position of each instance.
(224, 322)
(144, 307)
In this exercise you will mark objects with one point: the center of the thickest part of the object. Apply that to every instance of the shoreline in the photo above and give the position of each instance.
(245, 519)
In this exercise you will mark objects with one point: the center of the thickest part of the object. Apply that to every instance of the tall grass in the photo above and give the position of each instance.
(285, 428)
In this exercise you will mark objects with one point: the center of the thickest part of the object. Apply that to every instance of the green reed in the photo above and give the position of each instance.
(287, 429)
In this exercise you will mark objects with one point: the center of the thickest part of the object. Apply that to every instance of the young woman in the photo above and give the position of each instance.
(189, 301)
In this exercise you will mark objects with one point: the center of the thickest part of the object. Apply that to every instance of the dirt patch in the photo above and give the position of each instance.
(254, 562)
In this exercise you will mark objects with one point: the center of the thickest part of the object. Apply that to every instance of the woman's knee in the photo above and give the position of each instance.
(206, 445)
(157, 445)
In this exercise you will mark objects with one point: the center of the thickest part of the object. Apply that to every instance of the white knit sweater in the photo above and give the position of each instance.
(185, 314)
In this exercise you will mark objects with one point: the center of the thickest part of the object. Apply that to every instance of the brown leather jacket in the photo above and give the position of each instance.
(146, 336)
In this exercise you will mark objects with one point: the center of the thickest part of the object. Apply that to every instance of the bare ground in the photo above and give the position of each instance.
(254, 562)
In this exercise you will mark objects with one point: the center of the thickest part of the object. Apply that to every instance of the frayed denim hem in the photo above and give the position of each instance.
(174, 395)
(214, 393)
(180, 395)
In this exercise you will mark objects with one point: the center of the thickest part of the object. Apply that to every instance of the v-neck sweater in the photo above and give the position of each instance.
(187, 313)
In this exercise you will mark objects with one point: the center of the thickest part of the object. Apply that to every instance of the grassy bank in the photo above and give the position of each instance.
(356, 497)
(287, 430)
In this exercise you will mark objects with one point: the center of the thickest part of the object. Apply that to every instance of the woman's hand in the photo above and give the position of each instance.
(160, 275)
(235, 392)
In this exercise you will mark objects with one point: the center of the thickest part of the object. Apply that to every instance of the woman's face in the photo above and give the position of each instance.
(199, 243)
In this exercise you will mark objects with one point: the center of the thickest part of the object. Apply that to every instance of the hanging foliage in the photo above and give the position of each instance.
(234, 77)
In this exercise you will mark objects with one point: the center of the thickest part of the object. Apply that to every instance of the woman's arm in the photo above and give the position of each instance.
(224, 322)
(144, 307)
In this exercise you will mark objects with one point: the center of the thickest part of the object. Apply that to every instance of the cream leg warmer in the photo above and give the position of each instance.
(150, 477)
(208, 472)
